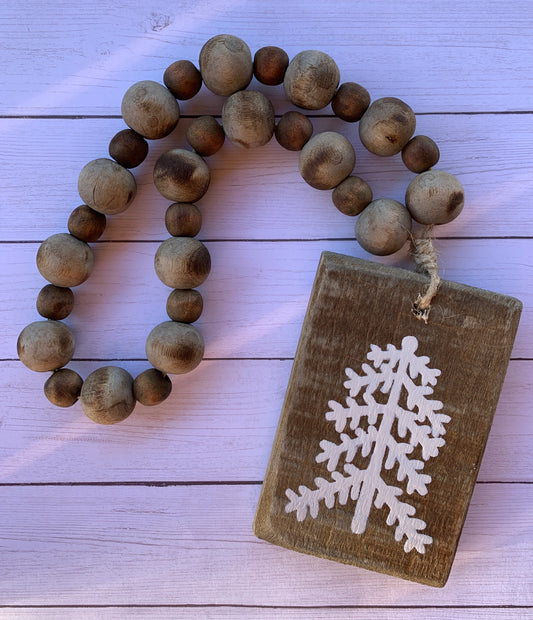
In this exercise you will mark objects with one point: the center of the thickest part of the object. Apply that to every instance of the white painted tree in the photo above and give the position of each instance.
(393, 371)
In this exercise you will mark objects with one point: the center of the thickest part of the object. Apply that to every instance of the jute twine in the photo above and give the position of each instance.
(425, 257)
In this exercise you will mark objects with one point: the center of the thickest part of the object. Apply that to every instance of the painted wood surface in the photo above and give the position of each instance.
(166, 518)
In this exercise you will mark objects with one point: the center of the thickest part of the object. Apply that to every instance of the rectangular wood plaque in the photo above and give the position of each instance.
(385, 419)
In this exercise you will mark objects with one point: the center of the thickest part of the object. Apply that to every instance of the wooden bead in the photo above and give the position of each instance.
(45, 345)
(64, 260)
(183, 219)
(151, 387)
(185, 305)
(311, 80)
(248, 119)
(107, 395)
(387, 126)
(181, 176)
(86, 224)
(128, 148)
(293, 130)
(270, 64)
(55, 302)
(150, 109)
(106, 186)
(174, 348)
(63, 387)
(205, 135)
(226, 64)
(420, 154)
(350, 102)
(326, 160)
(352, 196)
(182, 79)
(435, 197)
(383, 227)
(182, 262)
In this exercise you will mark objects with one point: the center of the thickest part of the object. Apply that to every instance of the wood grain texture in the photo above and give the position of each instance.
(89, 544)
(356, 306)
(437, 56)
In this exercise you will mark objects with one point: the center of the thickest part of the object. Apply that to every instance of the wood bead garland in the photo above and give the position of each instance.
(107, 187)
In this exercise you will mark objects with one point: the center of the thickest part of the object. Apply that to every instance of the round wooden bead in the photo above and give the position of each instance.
(181, 176)
(383, 227)
(435, 197)
(45, 345)
(352, 195)
(205, 135)
(183, 219)
(226, 64)
(420, 154)
(128, 148)
(151, 387)
(86, 224)
(326, 160)
(64, 260)
(182, 262)
(185, 305)
(63, 387)
(293, 130)
(350, 102)
(150, 109)
(270, 64)
(311, 80)
(107, 395)
(387, 126)
(106, 186)
(55, 302)
(182, 79)
(248, 119)
(174, 348)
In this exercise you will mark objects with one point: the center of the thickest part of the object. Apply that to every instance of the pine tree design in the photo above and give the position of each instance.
(393, 371)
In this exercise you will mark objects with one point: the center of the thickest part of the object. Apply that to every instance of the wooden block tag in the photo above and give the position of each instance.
(385, 420)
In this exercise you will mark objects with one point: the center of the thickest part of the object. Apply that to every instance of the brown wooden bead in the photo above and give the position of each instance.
(383, 227)
(205, 135)
(45, 345)
(326, 160)
(226, 64)
(387, 126)
(64, 260)
(185, 305)
(183, 219)
(174, 348)
(106, 186)
(182, 79)
(420, 154)
(270, 64)
(248, 119)
(293, 130)
(63, 387)
(150, 109)
(107, 395)
(350, 102)
(181, 176)
(151, 387)
(182, 262)
(55, 302)
(435, 197)
(86, 223)
(311, 80)
(352, 195)
(128, 148)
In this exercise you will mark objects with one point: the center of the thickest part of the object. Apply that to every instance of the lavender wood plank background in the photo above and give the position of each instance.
(152, 518)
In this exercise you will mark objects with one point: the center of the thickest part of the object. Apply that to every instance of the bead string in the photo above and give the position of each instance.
(151, 111)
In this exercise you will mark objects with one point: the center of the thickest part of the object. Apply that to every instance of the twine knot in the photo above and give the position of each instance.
(425, 257)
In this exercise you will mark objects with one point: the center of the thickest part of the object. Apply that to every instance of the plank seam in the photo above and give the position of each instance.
(188, 483)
